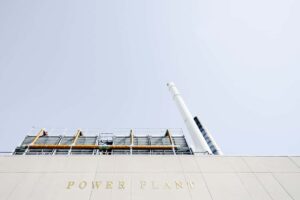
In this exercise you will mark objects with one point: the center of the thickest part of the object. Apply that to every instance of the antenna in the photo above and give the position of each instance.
(200, 146)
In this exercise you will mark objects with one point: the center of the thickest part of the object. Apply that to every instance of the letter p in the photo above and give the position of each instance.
(70, 184)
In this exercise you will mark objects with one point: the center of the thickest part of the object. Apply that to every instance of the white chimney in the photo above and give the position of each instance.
(199, 145)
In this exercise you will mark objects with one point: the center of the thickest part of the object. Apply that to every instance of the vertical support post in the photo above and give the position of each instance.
(55, 150)
(95, 151)
(97, 143)
(149, 143)
(131, 141)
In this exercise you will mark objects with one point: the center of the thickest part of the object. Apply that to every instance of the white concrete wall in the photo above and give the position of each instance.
(149, 177)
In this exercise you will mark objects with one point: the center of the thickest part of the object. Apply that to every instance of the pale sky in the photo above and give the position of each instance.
(105, 64)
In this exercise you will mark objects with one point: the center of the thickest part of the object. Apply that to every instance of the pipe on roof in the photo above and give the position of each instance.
(200, 145)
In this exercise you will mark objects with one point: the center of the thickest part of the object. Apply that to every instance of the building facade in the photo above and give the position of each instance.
(136, 177)
(157, 165)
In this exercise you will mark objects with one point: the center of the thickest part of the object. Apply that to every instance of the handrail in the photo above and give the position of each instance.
(45, 146)
(6, 153)
(131, 137)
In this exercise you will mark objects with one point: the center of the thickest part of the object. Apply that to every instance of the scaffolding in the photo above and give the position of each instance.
(146, 142)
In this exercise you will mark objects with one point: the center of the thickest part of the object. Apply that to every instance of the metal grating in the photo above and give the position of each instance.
(82, 152)
(27, 140)
(86, 140)
(48, 140)
(39, 152)
(121, 140)
(141, 140)
(66, 140)
(160, 141)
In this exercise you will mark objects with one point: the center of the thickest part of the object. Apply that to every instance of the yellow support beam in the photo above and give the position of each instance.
(171, 139)
(42, 132)
(78, 134)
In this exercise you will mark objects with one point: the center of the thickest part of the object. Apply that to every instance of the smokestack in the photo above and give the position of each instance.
(200, 145)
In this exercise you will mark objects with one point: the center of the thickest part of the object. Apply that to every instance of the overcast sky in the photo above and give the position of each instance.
(105, 64)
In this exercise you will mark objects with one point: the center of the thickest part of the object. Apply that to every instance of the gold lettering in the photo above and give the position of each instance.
(96, 184)
(70, 184)
(178, 184)
(191, 184)
(109, 184)
(143, 184)
(82, 184)
(121, 184)
(154, 186)
(167, 186)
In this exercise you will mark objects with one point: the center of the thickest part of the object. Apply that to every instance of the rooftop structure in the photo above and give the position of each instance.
(125, 142)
